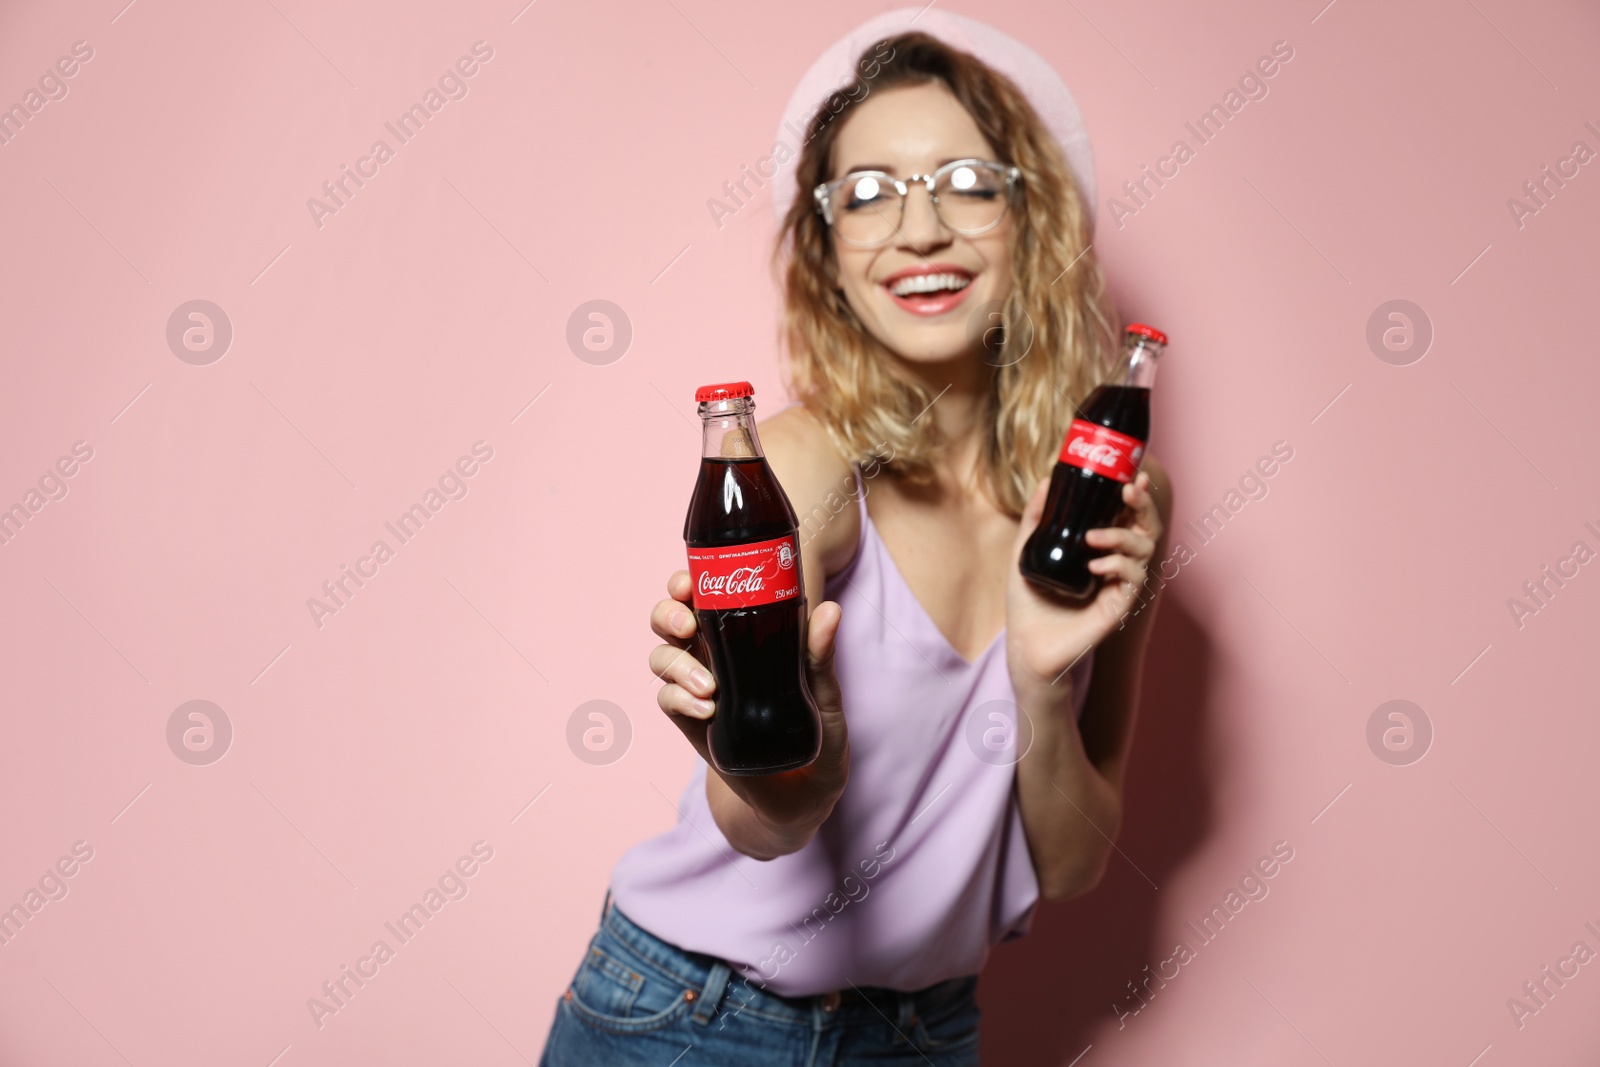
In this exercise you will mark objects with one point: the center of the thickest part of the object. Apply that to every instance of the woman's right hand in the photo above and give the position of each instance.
(787, 808)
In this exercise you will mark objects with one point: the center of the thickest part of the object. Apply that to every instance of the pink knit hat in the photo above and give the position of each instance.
(836, 68)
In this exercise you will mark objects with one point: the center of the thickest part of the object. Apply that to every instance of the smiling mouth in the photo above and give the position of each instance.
(922, 284)
(929, 292)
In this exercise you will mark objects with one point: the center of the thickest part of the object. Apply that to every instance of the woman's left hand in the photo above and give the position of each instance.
(1046, 635)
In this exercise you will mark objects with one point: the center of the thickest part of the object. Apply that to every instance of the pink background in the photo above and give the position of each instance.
(367, 355)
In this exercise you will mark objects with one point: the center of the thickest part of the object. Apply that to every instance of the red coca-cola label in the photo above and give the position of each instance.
(1102, 450)
(745, 576)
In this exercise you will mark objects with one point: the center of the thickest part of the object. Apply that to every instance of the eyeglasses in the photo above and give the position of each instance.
(867, 207)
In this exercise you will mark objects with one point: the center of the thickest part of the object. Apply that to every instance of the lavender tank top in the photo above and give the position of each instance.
(922, 866)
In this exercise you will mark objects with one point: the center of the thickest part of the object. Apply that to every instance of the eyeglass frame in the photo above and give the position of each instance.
(823, 192)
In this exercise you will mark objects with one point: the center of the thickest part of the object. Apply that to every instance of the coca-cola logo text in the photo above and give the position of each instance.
(1100, 455)
(1102, 450)
(738, 580)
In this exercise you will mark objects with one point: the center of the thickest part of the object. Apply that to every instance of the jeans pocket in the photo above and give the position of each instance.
(950, 1024)
(613, 993)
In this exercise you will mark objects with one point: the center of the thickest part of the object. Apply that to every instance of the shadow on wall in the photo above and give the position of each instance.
(1045, 997)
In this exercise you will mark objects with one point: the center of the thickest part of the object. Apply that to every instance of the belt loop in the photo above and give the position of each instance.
(908, 1009)
(711, 995)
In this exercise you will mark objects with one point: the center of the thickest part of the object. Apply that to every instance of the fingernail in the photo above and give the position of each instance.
(704, 707)
(681, 620)
(700, 680)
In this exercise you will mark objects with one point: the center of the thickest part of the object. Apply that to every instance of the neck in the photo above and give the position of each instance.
(961, 386)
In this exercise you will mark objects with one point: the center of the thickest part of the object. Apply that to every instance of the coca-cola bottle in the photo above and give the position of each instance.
(749, 597)
(1101, 453)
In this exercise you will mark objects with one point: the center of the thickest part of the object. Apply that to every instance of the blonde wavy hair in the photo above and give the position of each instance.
(1057, 314)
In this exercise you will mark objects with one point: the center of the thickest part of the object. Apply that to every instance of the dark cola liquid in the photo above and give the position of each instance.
(766, 720)
(1081, 500)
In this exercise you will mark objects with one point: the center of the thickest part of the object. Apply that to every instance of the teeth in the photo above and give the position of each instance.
(929, 283)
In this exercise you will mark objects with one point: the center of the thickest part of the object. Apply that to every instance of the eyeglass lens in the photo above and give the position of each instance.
(868, 209)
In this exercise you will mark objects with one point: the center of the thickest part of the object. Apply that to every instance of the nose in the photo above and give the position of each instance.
(921, 230)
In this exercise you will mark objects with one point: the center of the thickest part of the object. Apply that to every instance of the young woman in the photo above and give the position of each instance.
(841, 913)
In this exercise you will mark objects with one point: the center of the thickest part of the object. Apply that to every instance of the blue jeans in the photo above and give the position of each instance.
(638, 1000)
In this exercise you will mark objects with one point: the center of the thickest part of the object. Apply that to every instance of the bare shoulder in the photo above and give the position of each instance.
(819, 482)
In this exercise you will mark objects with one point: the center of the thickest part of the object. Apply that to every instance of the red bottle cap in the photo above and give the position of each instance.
(1147, 331)
(710, 394)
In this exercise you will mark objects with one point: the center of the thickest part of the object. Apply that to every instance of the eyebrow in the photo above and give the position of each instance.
(885, 168)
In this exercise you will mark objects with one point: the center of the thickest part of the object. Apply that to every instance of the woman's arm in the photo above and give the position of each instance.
(1069, 785)
(775, 815)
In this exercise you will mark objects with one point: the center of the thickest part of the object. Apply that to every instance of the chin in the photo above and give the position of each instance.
(939, 345)
(933, 339)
